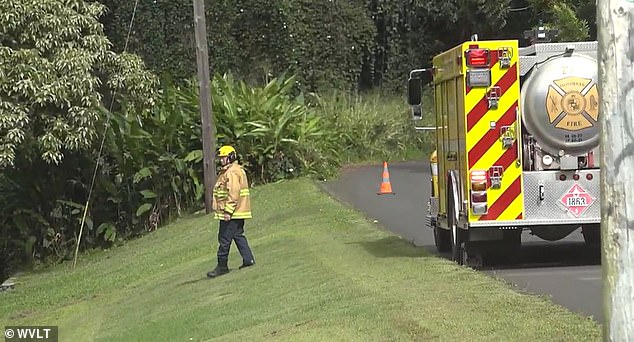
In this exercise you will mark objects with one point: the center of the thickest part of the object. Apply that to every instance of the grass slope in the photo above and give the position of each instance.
(323, 273)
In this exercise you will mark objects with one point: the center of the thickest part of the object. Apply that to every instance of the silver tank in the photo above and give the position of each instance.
(560, 104)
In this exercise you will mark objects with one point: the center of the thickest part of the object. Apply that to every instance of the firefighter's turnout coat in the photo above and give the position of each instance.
(231, 193)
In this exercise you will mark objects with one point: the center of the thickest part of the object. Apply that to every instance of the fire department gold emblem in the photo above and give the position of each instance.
(572, 103)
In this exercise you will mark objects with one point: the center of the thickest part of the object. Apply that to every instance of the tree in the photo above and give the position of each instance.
(55, 71)
(410, 33)
(616, 80)
(569, 17)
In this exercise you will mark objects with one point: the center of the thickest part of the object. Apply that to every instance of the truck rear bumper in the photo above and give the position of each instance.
(521, 223)
(552, 201)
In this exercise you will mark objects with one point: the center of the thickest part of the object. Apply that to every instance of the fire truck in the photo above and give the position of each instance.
(517, 144)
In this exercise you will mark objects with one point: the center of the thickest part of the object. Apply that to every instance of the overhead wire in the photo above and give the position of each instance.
(103, 140)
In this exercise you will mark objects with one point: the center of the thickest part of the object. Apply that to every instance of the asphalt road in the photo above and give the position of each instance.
(567, 271)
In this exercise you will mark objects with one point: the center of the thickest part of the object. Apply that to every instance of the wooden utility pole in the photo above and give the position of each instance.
(206, 116)
(615, 24)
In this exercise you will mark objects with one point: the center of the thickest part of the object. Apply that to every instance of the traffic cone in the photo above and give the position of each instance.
(386, 186)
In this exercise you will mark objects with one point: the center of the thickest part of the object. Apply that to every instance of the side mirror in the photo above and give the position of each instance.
(414, 91)
(414, 97)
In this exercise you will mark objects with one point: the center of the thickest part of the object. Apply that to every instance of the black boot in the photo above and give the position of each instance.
(247, 264)
(220, 269)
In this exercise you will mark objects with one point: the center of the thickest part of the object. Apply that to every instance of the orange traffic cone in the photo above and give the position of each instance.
(386, 186)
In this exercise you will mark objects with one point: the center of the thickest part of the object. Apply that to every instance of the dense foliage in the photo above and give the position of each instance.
(56, 72)
(255, 40)
(356, 44)
(54, 66)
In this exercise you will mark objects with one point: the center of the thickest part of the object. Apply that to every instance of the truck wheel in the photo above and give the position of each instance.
(512, 244)
(442, 239)
(457, 243)
(513, 240)
(592, 234)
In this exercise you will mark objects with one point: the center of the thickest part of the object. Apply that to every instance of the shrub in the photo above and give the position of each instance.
(369, 127)
(276, 135)
(151, 167)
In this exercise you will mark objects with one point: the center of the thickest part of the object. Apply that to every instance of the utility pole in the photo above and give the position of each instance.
(615, 24)
(202, 56)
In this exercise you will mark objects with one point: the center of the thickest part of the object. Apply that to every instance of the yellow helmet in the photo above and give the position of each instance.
(226, 151)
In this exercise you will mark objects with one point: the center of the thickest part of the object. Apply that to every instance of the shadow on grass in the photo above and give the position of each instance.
(392, 247)
(189, 282)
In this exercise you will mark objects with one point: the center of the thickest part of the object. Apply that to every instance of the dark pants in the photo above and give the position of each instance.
(233, 230)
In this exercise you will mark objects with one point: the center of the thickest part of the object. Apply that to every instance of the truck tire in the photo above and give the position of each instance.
(457, 245)
(512, 241)
(442, 239)
(457, 241)
(592, 234)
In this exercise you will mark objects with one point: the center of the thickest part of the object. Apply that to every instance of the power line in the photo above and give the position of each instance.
(103, 139)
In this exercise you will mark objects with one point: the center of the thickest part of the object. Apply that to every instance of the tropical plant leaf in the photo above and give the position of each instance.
(144, 208)
(142, 174)
(110, 233)
(195, 156)
(148, 194)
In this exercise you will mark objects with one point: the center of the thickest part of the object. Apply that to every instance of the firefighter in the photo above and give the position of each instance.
(231, 205)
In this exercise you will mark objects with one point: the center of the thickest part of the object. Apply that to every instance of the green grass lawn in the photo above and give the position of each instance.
(323, 273)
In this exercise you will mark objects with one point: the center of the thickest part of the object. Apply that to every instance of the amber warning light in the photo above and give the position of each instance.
(477, 57)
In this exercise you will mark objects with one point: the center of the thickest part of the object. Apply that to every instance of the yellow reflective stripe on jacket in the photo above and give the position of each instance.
(221, 194)
(229, 208)
(244, 192)
(242, 215)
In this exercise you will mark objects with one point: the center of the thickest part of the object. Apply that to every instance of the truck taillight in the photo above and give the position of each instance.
(479, 196)
(479, 184)
(477, 57)
(479, 181)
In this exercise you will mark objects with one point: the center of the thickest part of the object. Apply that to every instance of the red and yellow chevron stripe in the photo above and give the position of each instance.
(484, 134)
